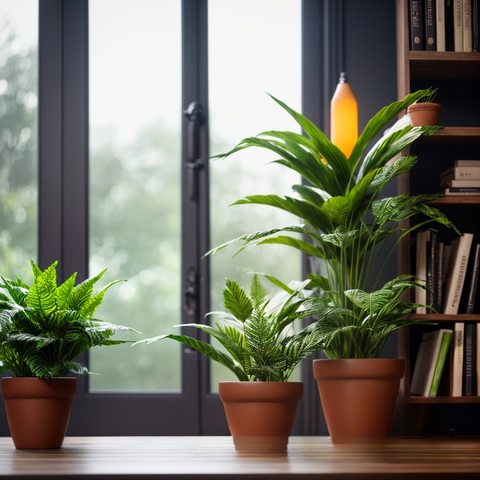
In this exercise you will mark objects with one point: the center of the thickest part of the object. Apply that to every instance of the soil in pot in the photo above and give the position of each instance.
(260, 415)
(358, 397)
(38, 411)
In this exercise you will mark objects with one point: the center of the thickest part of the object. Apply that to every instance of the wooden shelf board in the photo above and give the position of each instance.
(443, 400)
(440, 317)
(453, 135)
(459, 200)
(444, 64)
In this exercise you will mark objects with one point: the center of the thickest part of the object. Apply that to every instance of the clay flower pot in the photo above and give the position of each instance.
(358, 397)
(423, 114)
(260, 415)
(38, 411)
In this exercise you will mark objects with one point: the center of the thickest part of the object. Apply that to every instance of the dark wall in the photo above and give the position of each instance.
(370, 60)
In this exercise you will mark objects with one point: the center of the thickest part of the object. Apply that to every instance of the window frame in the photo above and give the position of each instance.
(64, 205)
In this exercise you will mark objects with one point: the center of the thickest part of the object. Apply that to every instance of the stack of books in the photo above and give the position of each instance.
(463, 178)
(444, 25)
(448, 273)
(448, 362)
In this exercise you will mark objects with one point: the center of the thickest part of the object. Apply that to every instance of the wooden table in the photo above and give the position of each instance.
(180, 458)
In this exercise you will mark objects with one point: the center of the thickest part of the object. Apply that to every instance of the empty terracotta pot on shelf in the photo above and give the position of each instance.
(424, 114)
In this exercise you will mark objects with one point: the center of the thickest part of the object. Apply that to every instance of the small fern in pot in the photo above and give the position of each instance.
(44, 327)
(262, 349)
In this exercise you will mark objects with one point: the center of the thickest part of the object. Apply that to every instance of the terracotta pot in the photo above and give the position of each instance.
(422, 114)
(260, 415)
(358, 397)
(38, 411)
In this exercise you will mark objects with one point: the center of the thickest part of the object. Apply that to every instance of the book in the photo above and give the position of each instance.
(440, 267)
(461, 247)
(430, 25)
(467, 163)
(458, 25)
(432, 270)
(463, 182)
(456, 360)
(477, 360)
(467, 25)
(430, 362)
(469, 360)
(456, 192)
(475, 26)
(463, 190)
(472, 290)
(422, 239)
(417, 40)
(449, 20)
(460, 173)
(440, 25)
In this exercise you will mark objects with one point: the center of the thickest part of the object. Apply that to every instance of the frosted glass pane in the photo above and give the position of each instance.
(254, 48)
(135, 120)
(18, 137)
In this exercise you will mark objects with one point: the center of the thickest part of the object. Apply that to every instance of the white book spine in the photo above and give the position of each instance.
(467, 25)
(458, 270)
(458, 25)
(440, 16)
(456, 369)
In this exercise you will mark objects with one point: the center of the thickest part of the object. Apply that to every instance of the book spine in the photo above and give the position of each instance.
(431, 276)
(456, 367)
(474, 279)
(440, 273)
(440, 25)
(464, 189)
(440, 363)
(468, 367)
(467, 163)
(460, 173)
(449, 35)
(458, 25)
(430, 26)
(417, 40)
(456, 278)
(475, 26)
(467, 25)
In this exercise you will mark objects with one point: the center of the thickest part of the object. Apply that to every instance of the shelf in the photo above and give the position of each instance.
(442, 400)
(444, 64)
(453, 135)
(440, 317)
(457, 201)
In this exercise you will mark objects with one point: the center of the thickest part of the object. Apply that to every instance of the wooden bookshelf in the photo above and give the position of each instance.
(457, 75)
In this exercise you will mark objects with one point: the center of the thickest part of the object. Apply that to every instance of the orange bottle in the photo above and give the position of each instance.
(344, 117)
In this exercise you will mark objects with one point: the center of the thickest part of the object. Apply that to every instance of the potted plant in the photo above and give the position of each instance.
(351, 233)
(43, 329)
(425, 111)
(262, 350)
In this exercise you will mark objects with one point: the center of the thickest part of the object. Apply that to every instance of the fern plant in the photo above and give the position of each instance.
(45, 327)
(255, 333)
(346, 223)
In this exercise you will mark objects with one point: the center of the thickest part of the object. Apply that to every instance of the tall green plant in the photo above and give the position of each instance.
(255, 333)
(45, 327)
(346, 223)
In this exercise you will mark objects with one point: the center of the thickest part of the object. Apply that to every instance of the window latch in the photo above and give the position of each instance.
(195, 116)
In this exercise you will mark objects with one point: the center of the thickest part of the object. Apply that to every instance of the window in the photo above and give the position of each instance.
(115, 77)
(18, 136)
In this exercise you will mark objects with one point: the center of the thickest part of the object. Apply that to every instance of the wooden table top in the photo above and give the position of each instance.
(182, 458)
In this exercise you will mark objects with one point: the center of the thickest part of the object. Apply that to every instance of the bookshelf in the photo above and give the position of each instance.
(457, 75)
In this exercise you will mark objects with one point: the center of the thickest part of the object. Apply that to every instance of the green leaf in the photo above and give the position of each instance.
(236, 301)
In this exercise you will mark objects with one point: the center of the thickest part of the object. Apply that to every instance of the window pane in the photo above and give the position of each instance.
(254, 48)
(135, 120)
(18, 136)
